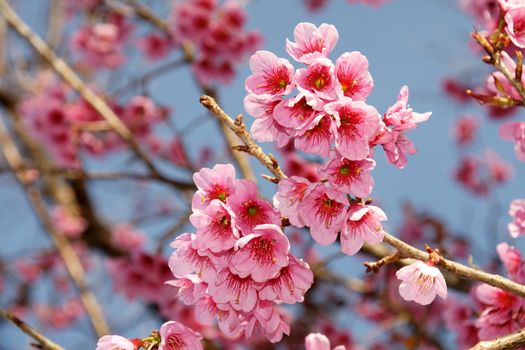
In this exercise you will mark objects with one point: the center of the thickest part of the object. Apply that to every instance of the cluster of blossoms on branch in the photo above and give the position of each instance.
(237, 268)
(328, 116)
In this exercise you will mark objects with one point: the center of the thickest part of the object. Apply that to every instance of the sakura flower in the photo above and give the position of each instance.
(249, 209)
(513, 261)
(317, 82)
(397, 147)
(116, 342)
(67, 222)
(312, 42)
(355, 124)
(290, 284)
(100, 45)
(362, 224)
(318, 341)
(261, 254)
(127, 237)
(295, 113)
(515, 28)
(351, 70)
(503, 312)
(465, 130)
(291, 191)
(421, 283)
(401, 117)
(517, 211)
(267, 318)
(316, 137)
(175, 335)
(271, 75)
(216, 183)
(239, 292)
(350, 176)
(515, 132)
(186, 259)
(265, 128)
(323, 210)
(155, 46)
(190, 288)
(215, 228)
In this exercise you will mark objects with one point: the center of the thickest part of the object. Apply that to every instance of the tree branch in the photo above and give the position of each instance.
(508, 342)
(43, 341)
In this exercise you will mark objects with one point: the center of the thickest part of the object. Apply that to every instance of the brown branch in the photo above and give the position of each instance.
(509, 342)
(239, 128)
(43, 341)
(68, 254)
(408, 251)
(69, 76)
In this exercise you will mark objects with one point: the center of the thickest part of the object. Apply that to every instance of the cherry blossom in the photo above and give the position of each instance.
(312, 42)
(175, 335)
(421, 283)
(112, 342)
(517, 211)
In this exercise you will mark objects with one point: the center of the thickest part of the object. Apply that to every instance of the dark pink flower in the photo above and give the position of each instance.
(249, 209)
(271, 75)
(290, 284)
(349, 176)
(186, 259)
(513, 261)
(401, 117)
(265, 128)
(362, 224)
(465, 129)
(317, 82)
(290, 193)
(316, 137)
(217, 183)
(355, 124)
(261, 254)
(323, 210)
(351, 70)
(100, 45)
(240, 293)
(312, 42)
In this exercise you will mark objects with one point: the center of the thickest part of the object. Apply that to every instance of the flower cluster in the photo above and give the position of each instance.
(66, 125)
(172, 335)
(238, 264)
(328, 106)
(327, 116)
(217, 31)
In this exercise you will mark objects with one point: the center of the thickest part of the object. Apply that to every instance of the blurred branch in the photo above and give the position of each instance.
(55, 23)
(68, 254)
(146, 14)
(508, 342)
(44, 342)
(61, 67)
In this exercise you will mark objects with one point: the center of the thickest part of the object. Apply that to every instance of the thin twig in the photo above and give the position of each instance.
(239, 128)
(68, 254)
(42, 340)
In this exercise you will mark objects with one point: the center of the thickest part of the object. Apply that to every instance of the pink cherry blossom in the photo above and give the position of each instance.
(186, 259)
(318, 341)
(174, 335)
(261, 254)
(515, 20)
(323, 210)
(362, 224)
(67, 222)
(271, 75)
(317, 82)
(216, 230)
(312, 42)
(503, 312)
(290, 284)
(349, 176)
(216, 183)
(515, 132)
(295, 113)
(291, 192)
(316, 137)
(265, 128)
(421, 283)
(401, 117)
(249, 209)
(267, 318)
(465, 129)
(397, 147)
(190, 288)
(240, 293)
(356, 123)
(155, 46)
(116, 342)
(126, 237)
(100, 45)
(513, 261)
(517, 212)
(351, 70)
